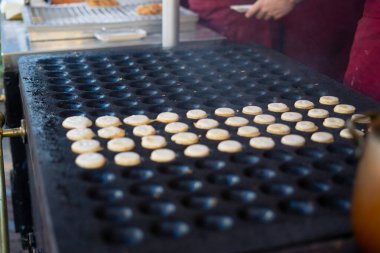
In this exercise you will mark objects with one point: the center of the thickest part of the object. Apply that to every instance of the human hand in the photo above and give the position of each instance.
(271, 9)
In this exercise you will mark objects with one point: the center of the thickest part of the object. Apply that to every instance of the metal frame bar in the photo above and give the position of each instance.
(4, 235)
(14, 132)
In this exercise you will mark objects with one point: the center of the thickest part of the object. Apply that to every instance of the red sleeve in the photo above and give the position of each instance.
(320, 33)
(363, 70)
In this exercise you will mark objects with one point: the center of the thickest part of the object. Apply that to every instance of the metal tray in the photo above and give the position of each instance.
(81, 21)
(247, 202)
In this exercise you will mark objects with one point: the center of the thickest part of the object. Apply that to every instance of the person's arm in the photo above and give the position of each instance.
(271, 9)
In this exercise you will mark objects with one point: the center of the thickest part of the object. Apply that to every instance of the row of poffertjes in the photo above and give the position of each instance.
(87, 148)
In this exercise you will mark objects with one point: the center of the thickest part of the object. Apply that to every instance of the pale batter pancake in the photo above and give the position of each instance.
(278, 107)
(322, 137)
(230, 146)
(279, 129)
(107, 121)
(291, 116)
(153, 142)
(121, 144)
(197, 151)
(111, 132)
(90, 161)
(206, 124)
(217, 134)
(345, 133)
(167, 117)
(318, 113)
(137, 120)
(264, 119)
(334, 122)
(163, 155)
(252, 110)
(176, 127)
(144, 130)
(196, 114)
(262, 143)
(224, 112)
(80, 134)
(185, 138)
(344, 109)
(304, 104)
(361, 119)
(85, 146)
(293, 140)
(306, 126)
(236, 121)
(74, 122)
(127, 159)
(248, 131)
(329, 100)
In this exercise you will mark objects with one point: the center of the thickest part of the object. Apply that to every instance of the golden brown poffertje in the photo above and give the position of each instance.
(102, 3)
(149, 9)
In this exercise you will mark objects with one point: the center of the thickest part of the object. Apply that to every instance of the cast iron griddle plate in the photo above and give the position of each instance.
(249, 201)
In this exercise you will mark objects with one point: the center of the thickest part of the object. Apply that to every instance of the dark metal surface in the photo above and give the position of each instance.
(108, 210)
(341, 245)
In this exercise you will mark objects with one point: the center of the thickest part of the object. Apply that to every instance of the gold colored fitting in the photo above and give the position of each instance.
(15, 132)
(2, 96)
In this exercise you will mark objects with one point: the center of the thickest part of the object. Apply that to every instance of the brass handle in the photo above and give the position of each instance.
(13, 132)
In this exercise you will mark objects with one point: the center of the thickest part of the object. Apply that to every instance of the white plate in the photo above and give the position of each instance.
(241, 8)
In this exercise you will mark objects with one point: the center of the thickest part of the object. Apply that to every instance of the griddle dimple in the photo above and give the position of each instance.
(298, 206)
(258, 214)
(100, 177)
(261, 172)
(218, 201)
(159, 208)
(171, 228)
(294, 168)
(114, 213)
